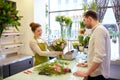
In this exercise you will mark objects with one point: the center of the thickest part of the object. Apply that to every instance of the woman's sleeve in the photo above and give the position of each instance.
(34, 46)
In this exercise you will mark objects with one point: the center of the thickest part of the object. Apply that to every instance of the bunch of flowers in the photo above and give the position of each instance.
(56, 68)
(58, 44)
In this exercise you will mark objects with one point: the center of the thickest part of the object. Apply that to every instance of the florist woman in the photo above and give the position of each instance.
(39, 46)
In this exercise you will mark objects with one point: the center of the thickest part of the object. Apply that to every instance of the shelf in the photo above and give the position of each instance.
(11, 34)
(72, 40)
(12, 45)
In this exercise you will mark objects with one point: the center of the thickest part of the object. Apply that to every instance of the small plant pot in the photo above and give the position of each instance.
(81, 48)
(85, 50)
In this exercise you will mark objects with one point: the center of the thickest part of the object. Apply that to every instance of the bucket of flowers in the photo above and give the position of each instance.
(53, 68)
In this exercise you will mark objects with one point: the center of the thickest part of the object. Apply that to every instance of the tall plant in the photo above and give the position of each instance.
(8, 15)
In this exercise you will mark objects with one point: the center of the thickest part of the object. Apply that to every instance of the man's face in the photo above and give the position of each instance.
(87, 22)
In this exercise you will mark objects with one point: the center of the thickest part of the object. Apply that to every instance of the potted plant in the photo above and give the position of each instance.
(8, 16)
(82, 27)
(83, 41)
(90, 6)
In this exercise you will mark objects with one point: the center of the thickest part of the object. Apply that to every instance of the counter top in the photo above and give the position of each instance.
(34, 74)
(13, 58)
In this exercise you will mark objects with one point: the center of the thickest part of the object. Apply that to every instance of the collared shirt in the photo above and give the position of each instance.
(99, 50)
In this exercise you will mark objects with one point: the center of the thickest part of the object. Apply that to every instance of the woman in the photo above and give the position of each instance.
(39, 46)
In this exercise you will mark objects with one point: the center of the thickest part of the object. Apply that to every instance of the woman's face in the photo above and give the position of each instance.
(38, 31)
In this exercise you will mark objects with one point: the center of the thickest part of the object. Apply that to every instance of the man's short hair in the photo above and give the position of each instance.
(92, 14)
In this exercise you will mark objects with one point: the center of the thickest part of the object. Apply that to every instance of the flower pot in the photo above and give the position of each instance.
(85, 50)
(81, 48)
(75, 44)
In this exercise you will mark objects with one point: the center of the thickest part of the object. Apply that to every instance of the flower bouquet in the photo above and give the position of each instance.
(53, 68)
(58, 45)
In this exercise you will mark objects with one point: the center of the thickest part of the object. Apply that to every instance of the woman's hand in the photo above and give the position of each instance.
(58, 52)
(82, 64)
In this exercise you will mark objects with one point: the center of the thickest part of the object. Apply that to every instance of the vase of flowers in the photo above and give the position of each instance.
(65, 26)
(8, 15)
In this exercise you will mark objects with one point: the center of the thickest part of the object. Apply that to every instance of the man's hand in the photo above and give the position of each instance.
(81, 74)
(85, 74)
(82, 64)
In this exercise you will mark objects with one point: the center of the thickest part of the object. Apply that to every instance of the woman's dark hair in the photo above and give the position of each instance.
(92, 14)
(34, 26)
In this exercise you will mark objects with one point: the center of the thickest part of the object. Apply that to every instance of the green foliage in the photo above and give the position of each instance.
(113, 33)
(85, 6)
(82, 25)
(90, 6)
(67, 22)
(93, 6)
(8, 15)
(86, 41)
(63, 20)
(46, 67)
(83, 40)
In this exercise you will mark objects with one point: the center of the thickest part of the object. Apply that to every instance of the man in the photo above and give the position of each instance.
(98, 49)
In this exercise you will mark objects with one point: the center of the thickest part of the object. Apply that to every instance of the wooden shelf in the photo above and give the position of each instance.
(11, 34)
(12, 45)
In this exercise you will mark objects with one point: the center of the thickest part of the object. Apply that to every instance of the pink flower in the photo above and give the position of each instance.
(58, 69)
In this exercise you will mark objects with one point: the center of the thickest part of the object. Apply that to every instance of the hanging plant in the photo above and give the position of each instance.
(8, 16)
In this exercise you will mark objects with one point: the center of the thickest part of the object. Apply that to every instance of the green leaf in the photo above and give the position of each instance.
(82, 25)
(85, 6)
(86, 41)
(9, 14)
(81, 40)
(1, 30)
(16, 28)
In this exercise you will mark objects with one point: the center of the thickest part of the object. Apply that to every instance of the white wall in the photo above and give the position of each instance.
(26, 9)
(32, 11)
(39, 13)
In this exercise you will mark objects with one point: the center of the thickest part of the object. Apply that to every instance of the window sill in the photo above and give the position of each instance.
(116, 62)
